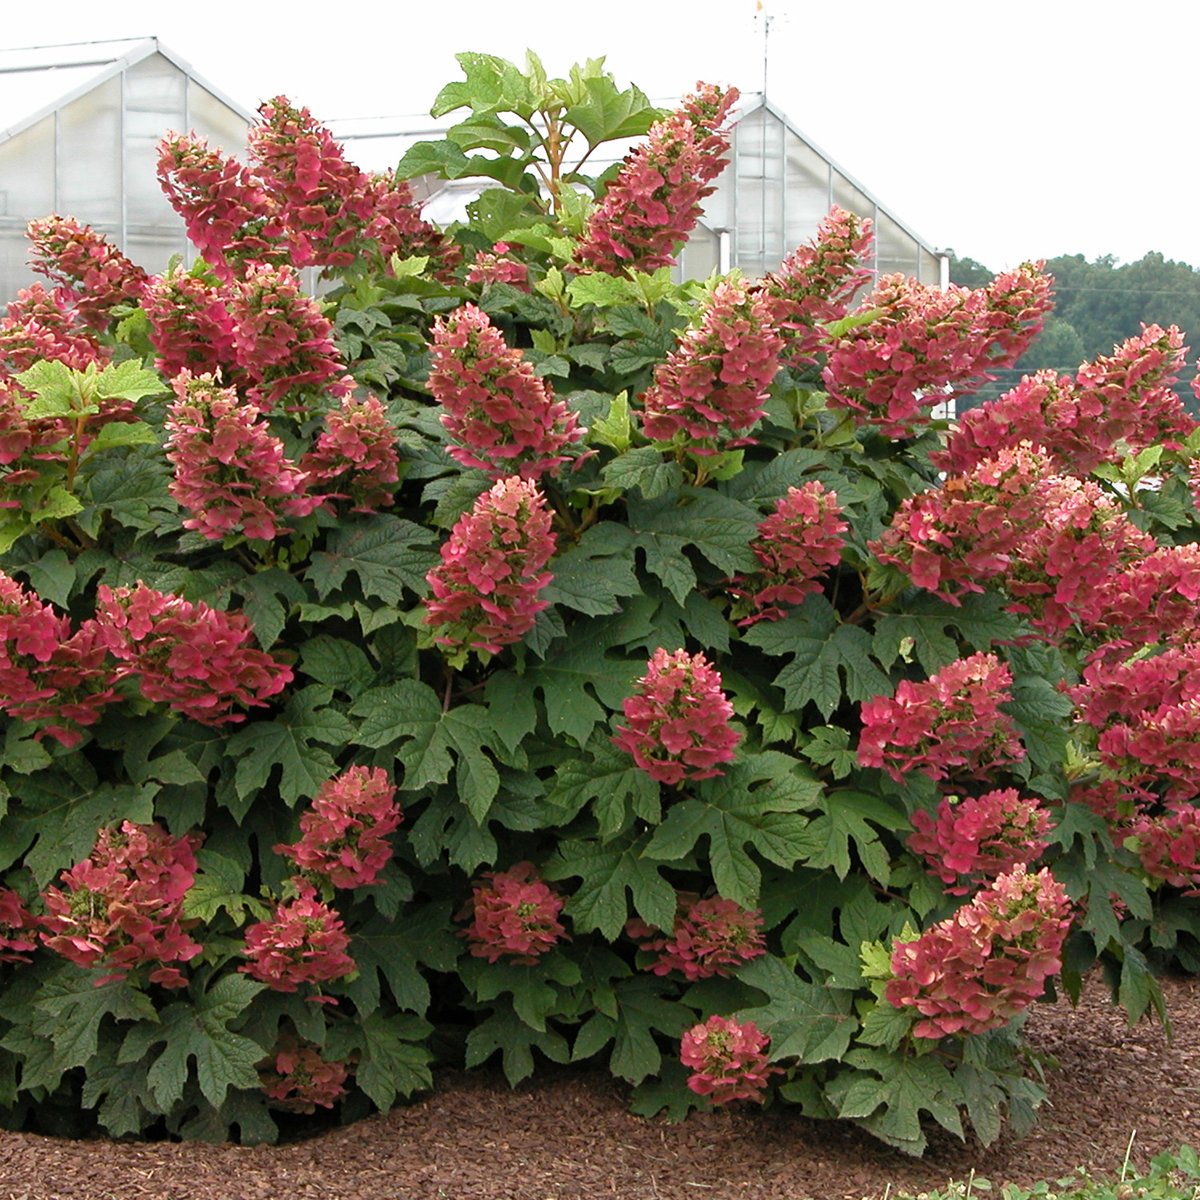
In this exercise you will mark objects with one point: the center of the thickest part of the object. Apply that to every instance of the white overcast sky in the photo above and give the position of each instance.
(1006, 129)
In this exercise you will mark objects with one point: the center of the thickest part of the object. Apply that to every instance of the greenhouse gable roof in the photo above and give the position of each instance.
(37, 80)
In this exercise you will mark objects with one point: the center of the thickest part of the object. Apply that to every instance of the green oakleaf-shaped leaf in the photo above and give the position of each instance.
(392, 1059)
(756, 804)
(432, 740)
(290, 742)
(608, 114)
(823, 654)
(606, 873)
(592, 577)
(74, 1007)
(387, 554)
(579, 684)
(887, 1094)
(643, 468)
(393, 952)
(850, 816)
(516, 1041)
(807, 1021)
(611, 782)
(200, 1030)
(535, 988)
(718, 527)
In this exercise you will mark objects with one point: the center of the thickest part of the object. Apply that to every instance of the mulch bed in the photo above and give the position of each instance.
(568, 1135)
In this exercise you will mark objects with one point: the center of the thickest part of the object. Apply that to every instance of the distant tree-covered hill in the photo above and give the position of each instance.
(1098, 305)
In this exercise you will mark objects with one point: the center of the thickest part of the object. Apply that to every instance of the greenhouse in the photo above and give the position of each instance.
(79, 130)
(769, 200)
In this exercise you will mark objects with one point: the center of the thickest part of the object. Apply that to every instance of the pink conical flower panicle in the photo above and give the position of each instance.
(282, 341)
(344, 834)
(304, 944)
(796, 545)
(951, 723)
(514, 916)
(190, 656)
(230, 218)
(978, 969)
(486, 588)
(231, 473)
(677, 722)
(503, 418)
(122, 907)
(300, 1080)
(355, 457)
(190, 326)
(88, 269)
(713, 386)
(654, 203)
(39, 324)
(711, 937)
(971, 840)
(816, 283)
(728, 1060)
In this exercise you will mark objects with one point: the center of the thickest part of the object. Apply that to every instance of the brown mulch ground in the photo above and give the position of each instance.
(569, 1136)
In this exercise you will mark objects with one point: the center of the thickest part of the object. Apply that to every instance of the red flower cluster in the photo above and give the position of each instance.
(1169, 847)
(496, 266)
(975, 839)
(654, 202)
(978, 969)
(1082, 541)
(47, 673)
(190, 325)
(714, 383)
(343, 837)
(1114, 406)
(42, 325)
(678, 720)
(355, 457)
(816, 283)
(300, 203)
(485, 589)
(281, 340)
(795, 546)
(230, 471)
(949, 724)
(229, 216)
(322, 199)
(190, 656)
(90, 271)
(1147, 712)
(18, 939)
(710, 937)
(928, 344)
(503, 417)
(299, 1079)
(514, 915)
(123, 905)
(1152, 600)
(305, 943)
(728, 1060)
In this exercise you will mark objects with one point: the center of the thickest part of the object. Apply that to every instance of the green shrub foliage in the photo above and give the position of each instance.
(517, 655)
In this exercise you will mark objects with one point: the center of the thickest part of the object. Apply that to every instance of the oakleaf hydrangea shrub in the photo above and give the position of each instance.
(517, 655)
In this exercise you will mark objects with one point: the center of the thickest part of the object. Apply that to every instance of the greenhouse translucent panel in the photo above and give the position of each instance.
(89, 158)
(154, 105)
(213, 119)
(896, 249)
(807, 191)
(759, 245)
(701, 256)
(14, 270)
(27, 173)
(931, 268)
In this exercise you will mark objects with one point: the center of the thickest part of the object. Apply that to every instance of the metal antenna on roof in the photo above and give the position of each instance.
(760, 13)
